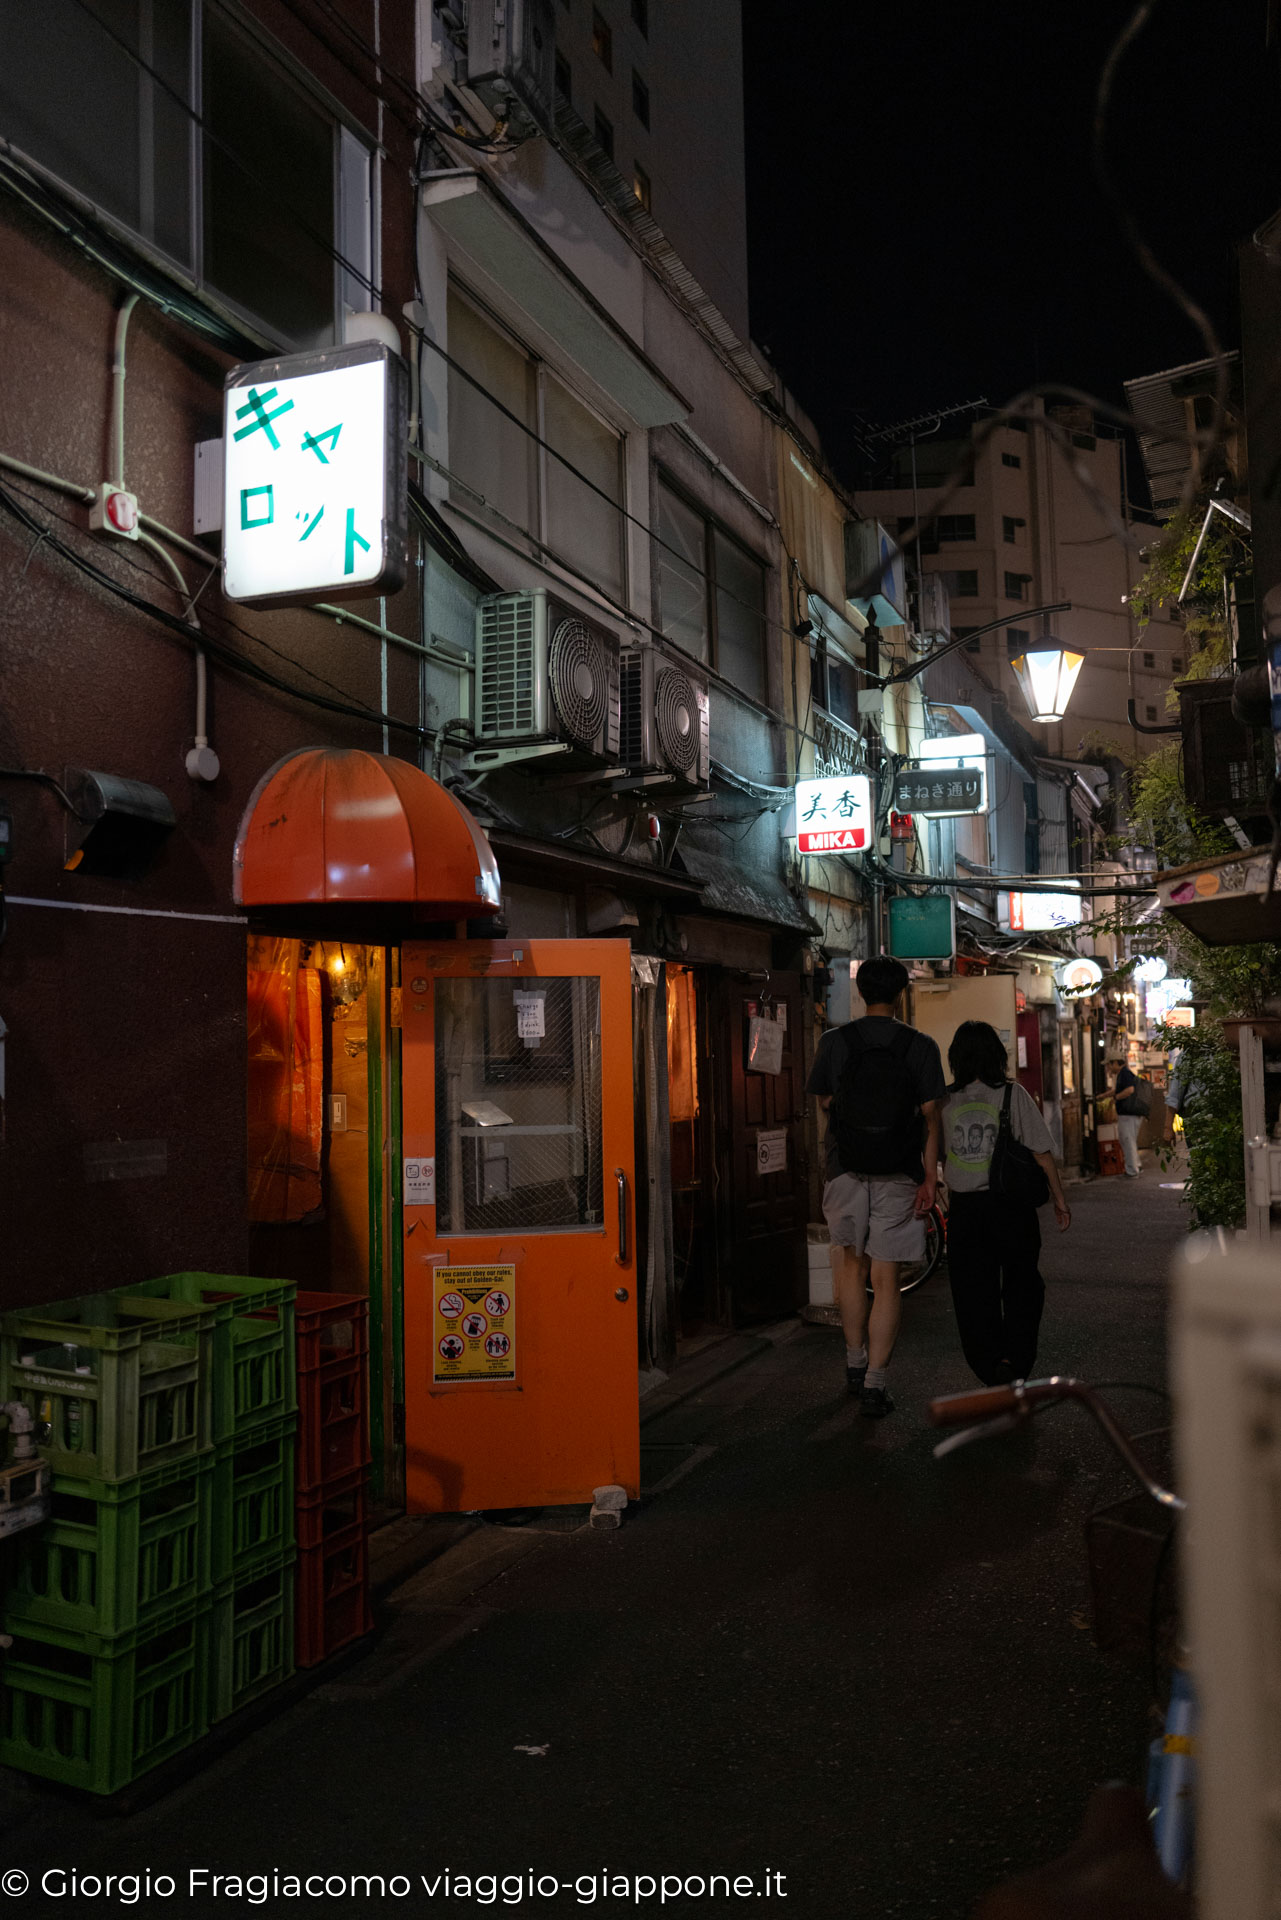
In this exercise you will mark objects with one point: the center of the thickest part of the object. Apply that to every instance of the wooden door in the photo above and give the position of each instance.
(761, 1155)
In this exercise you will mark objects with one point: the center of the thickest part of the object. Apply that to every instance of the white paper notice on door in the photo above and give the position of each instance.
(531, 1015)
(771, 1151)
(764, 1046)
(420, 1183)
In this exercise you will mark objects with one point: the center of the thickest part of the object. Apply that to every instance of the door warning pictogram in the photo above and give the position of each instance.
(474, 1325)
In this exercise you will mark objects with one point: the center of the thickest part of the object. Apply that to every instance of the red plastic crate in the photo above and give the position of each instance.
(333, 1423)
(328, 1511)
(330, 1328)
(332, 1595)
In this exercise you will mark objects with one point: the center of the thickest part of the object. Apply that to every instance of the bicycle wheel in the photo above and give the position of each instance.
(918, 1273)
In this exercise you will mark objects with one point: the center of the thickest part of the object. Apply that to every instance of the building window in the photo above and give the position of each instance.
(966, 634)
(1086, 441)
(962, 585)
(564, 77)
(955, 526)
(602, 40)
(244, 182)
(640, 98)
(604, 130)
(640, 186)
(926, 541)
(571, 505)
(1010, 529)
(640, 15)
(711, 593)
(1149, 660)
(1011, 460)
(1017, 641)
(1016, 586)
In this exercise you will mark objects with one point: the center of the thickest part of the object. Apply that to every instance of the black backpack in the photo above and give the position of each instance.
(874, 1117)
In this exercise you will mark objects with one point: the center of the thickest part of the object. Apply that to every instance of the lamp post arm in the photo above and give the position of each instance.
(901, 674)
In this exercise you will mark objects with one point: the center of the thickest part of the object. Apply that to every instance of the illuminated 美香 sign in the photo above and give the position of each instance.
(834, 815)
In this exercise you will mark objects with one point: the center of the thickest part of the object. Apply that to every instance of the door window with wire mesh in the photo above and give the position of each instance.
(518, 1105)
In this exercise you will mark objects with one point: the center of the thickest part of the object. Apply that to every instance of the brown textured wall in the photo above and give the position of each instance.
(125, 1028)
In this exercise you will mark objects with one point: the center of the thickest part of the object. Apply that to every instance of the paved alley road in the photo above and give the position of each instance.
(817, 1654)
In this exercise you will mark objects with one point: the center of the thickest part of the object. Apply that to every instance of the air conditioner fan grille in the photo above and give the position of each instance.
(579, 674)
(676, 714)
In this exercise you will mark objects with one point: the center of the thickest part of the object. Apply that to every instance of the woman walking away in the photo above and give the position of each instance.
(993, 1238)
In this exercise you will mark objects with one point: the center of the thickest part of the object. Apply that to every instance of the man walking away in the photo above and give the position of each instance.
(1130, 1111)
(881, 1086)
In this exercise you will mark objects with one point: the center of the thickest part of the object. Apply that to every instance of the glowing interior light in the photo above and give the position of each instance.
(1046, 675)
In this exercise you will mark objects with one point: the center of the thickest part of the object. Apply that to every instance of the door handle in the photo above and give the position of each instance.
(620, 1258)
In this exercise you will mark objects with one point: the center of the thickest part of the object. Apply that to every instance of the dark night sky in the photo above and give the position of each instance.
(924, 222)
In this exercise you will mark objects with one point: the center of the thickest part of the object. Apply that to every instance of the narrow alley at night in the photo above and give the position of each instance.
(640, 961)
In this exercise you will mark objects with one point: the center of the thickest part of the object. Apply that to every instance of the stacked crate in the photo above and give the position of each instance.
(333, 1464)
(108, 1603)
(158, 1598)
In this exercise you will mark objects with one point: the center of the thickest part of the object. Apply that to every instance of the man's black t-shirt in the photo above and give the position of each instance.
(923, 1060)
(1126, 1082)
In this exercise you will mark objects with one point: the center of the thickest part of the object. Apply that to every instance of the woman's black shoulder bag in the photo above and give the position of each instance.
(1014, 1173)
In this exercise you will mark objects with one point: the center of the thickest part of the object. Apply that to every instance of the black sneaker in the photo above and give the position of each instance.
(854, 1378)
(876, 1403)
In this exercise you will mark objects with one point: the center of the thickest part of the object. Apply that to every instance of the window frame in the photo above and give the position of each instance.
(640, 16)
(192, 276)
(1014, 586)
(603, 131)
(642, 187)
(712, 525)
(1011, 460)
(955, 529)
(640, 99)
(602, 40)
(539, 372)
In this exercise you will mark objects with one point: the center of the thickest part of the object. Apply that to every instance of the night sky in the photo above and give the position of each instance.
(924, 221)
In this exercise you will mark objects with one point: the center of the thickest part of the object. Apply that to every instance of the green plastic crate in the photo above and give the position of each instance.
(254, 1363)
(72, 1713)
(117, 1384)
(253, 1500)
(114, 1556)
(252, 1638)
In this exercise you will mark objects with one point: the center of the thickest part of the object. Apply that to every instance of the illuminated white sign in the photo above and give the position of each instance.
(1153, 970)
(834, 815)
(955, 749)
(1080, 978)
(1042, 912)
(314, 493)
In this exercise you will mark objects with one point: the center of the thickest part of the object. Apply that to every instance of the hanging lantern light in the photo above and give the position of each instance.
(1046, 675)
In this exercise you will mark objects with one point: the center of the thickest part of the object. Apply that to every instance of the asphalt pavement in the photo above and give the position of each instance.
(814, 1661)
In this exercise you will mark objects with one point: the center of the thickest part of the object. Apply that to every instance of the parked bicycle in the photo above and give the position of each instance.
(1171, 1757)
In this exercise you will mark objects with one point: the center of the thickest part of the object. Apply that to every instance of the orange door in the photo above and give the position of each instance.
(520, 1291)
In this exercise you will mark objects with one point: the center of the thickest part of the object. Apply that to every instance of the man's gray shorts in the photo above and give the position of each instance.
(874, 1215)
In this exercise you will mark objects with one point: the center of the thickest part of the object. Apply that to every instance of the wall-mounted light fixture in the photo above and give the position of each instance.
(1046, 675)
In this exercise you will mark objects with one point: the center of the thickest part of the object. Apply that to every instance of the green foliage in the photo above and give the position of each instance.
(1173, 827)
(1202, 613)
(1209, 1069)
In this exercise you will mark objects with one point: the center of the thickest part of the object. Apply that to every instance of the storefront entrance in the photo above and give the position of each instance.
(519, 1231)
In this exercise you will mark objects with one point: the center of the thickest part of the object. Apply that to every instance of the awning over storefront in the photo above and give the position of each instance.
(743, 892)
(336, 827)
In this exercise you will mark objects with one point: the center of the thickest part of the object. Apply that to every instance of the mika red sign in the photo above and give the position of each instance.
(834, 815)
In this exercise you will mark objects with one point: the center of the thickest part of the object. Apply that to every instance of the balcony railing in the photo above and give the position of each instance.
(837, 748)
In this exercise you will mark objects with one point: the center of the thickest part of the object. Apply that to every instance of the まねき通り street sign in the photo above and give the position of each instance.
(314, 488)
(834, 815)
(939, 790)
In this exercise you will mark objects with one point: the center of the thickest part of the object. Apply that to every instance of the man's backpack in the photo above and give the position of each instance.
(874, 1116)
(1141, 1096)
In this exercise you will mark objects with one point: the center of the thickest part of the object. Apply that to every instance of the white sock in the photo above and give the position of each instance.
(856, 1356)
(875, 1381)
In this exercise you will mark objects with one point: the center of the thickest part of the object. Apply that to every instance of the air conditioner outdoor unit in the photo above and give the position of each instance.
(664, 725)
(511, 53)
(544, 672)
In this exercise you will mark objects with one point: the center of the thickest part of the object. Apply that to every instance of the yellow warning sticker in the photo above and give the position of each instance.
(474, 1324)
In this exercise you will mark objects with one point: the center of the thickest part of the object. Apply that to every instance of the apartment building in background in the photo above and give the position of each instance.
(1034, 521)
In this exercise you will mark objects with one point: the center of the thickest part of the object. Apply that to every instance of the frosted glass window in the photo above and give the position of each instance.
(740, 616)
(487, 450)
(583, 527)
(682, 575)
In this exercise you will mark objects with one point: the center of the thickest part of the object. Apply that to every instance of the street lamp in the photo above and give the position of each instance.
(1046, 675)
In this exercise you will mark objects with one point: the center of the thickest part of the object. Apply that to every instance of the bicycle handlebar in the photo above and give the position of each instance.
(1025, 1397)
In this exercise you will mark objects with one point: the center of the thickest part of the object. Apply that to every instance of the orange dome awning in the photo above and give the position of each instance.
(335, 826)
